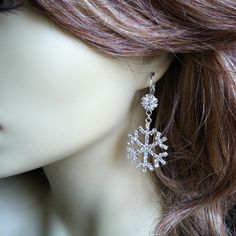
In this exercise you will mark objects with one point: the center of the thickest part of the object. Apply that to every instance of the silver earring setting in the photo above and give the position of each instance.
(152, 137)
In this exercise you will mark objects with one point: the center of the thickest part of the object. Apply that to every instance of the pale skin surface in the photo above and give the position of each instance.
(23, 204)
(68, 109)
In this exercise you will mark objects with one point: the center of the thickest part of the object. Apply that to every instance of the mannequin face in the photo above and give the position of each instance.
(56, 94)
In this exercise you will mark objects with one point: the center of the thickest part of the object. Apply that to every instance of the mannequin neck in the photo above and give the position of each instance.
(99, 180)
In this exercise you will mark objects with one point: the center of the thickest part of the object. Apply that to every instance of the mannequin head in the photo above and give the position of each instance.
(53, 88)
(59, 76)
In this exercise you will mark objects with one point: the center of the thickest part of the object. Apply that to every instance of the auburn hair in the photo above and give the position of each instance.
(197, 108)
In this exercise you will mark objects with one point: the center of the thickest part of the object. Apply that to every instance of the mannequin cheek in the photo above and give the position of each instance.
(42, 133)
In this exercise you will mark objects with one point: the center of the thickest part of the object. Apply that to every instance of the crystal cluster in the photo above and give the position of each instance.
(146, 148)
(149, 102)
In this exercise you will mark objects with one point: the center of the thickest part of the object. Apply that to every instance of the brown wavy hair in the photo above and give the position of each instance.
(197, 109)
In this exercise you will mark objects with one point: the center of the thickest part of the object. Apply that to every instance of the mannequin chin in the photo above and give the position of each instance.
(57, 95)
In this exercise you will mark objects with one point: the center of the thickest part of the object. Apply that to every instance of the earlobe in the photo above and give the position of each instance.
(159, 67)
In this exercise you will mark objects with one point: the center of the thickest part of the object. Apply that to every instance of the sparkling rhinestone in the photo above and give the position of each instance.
(149, 102)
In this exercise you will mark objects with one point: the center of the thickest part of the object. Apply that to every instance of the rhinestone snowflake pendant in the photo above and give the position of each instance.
(151, 140)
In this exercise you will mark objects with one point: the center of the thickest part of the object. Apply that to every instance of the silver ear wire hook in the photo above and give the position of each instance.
(151, 84)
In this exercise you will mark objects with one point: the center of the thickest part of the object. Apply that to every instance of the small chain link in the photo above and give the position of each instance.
(148, 119)
(148, 112)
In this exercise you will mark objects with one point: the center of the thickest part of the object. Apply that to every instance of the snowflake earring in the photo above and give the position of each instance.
(152, 138)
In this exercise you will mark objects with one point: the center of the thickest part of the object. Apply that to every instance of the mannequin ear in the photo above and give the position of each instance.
(159, 67)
